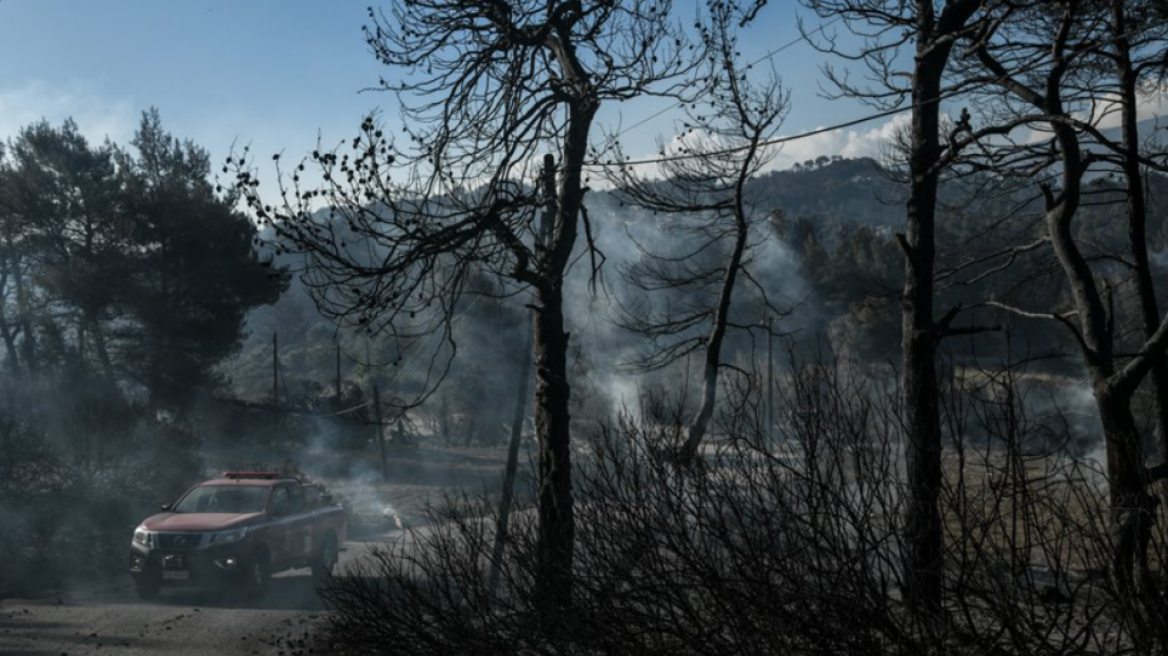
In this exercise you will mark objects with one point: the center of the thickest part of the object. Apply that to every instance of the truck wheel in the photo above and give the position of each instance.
(147, 588)
(326, 559)
(256, 574)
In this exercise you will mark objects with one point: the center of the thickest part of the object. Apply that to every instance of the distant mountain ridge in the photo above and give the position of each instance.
(850, 190)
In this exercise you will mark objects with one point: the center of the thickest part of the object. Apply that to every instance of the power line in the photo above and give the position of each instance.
(847, 124)
(768, 55)
(768, 142)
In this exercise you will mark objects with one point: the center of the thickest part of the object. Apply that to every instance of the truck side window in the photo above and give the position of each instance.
(296, 498)
(282, 503)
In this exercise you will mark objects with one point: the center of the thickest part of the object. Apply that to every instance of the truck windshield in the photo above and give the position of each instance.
(224, 499)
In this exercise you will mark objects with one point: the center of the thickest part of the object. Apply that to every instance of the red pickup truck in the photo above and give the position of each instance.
(237, 530)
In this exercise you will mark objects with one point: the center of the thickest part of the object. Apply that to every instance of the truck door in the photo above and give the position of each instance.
(280, 530)
(301, 526)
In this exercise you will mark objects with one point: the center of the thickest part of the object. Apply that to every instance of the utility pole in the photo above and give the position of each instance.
(338, 372)
(275, 370)
(512, 465)
(770, 374)
(275, 386)
(380, 432)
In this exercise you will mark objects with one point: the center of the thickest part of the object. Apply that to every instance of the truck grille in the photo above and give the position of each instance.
(179, 540)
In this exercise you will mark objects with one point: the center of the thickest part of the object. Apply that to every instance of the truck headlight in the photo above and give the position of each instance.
(227, 537)
(143, 537)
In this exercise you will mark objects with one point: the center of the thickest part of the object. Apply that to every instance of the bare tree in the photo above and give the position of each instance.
(486, 87)
(1043, 61)
(704, 196)
(931, 30)
(1136, 55)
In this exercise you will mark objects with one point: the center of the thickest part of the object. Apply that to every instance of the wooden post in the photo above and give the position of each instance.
(275, 370)
(770, 386)
(338, 372)
(380, 432)
(275, 388)
(504, 518)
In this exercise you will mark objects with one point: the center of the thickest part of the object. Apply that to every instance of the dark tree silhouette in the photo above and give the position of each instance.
(194, 273)
(1136, 46)
(127, 263)
(931, 30)
(62, 219)
(486, 87)
(1043, 61)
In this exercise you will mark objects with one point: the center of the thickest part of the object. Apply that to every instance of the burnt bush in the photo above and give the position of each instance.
(784, 546)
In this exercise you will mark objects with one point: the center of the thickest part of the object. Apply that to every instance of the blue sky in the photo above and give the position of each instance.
(274, 73)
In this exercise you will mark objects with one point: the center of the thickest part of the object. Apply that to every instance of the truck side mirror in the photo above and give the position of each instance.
(166, 507)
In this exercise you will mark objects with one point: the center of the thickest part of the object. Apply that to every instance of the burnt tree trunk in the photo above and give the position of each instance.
(1137, 211)
(713, 354)
(1128, 500)
(1113, 390)
(552, 395)
(557, 527)
(920, 334)
(922, 567)
(1131, 505)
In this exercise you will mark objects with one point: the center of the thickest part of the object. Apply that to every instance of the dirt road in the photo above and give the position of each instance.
(112, 620)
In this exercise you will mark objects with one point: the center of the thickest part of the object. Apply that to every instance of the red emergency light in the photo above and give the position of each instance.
(267, 476)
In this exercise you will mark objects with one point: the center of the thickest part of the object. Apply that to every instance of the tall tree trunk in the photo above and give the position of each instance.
(1113, 390)
(557, 524)
(552, 395)
(1131, 506)
(922, 567)
(935, 37)
(713, 359)
(713, 353)
(1138, 240)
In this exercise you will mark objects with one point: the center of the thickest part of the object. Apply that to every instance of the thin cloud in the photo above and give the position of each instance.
(850, 143)
(96, 116)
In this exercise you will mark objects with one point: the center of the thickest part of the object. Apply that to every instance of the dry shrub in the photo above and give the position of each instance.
(790, 546)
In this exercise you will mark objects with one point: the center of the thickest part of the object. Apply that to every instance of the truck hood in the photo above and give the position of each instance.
(198, 521)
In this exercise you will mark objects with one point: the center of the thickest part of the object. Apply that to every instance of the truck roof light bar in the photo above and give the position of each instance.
(268, 476)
